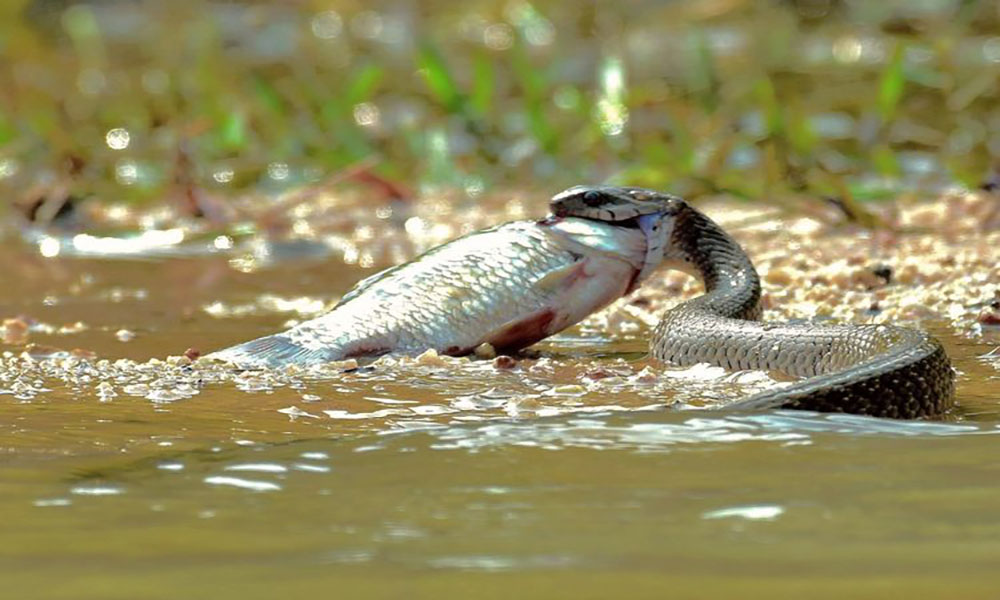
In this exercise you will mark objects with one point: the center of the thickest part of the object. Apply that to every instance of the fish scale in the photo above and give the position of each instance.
(511, 286)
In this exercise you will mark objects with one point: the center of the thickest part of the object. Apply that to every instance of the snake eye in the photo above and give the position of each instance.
(592, 198)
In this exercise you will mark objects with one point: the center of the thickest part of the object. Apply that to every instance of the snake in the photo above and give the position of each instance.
(878, 370)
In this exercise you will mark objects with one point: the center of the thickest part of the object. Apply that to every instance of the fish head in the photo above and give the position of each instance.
(654, 213)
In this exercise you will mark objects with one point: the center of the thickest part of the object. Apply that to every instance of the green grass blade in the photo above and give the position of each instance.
(233, 131)
(364, 83)
(483, 85)
(891, 85)
(438, 78)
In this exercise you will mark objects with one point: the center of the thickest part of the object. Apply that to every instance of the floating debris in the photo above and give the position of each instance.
(504, 362)
(124, 335)
(485, 351)
(15, 331)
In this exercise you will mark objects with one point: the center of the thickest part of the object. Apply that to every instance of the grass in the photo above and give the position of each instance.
(763, 101)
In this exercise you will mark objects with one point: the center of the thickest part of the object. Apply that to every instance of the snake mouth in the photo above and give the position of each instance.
(558, 211)
(630, 223)
(560, 214)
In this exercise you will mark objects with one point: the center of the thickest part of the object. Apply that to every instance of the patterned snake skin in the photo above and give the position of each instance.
(877, 370)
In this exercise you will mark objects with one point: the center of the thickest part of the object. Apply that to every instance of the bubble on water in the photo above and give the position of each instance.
(117, 138)
(366, 114)
(415, 225)
(327, 25)
(126, 172)
(474, 186)
(278, 171)
(49, 247)
(499, 36)
(223, 176)
(8, 168)
(847, 49)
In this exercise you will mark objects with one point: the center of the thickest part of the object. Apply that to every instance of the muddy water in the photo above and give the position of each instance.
(563, 477)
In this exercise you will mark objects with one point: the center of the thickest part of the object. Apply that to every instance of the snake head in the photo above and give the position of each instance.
(612, 203)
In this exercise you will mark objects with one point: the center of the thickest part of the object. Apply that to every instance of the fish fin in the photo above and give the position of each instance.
(559, 278)
(269, 351)
(523, 332)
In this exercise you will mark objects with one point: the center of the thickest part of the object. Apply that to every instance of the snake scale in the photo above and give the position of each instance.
(877, 370)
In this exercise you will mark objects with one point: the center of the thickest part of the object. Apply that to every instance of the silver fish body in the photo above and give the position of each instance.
(509, 286)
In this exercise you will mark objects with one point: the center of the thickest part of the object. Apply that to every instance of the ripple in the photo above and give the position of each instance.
(43, 502)
(754, 512)
(311, 468)
(494, 563)
(315, 455)
(638, 431)
(96, 490)
(246, 484)
(258, 467)
(378, 414)
(348, 557)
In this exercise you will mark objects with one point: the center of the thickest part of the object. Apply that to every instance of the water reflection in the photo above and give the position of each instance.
(605, 493)
(253, 467)
(658, 431)
(241, 483)
(753, 513)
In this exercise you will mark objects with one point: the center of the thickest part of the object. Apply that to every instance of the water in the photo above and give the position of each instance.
(562, 477)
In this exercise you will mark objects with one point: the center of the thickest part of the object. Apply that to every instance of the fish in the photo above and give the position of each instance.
(508, 286)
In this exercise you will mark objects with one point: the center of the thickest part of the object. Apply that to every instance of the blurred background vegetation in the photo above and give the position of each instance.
(131, 101)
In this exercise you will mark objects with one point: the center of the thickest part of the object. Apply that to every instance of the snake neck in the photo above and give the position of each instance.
(732, 286)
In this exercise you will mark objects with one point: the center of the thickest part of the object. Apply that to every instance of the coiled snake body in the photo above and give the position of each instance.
(877, 370)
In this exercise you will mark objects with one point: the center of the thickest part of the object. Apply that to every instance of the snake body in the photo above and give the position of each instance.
(878, 370)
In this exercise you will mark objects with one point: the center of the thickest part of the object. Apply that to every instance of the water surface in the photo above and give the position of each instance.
(562, 477)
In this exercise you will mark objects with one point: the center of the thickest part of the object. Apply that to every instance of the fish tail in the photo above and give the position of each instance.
(269, 352)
